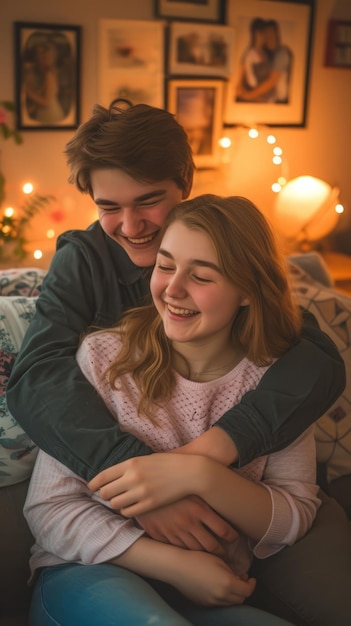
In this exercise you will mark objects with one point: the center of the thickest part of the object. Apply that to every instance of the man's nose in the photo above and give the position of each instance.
(132, 224)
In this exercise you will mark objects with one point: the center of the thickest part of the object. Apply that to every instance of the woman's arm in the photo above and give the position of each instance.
(203, 578)
(285, 501)
(71, 525)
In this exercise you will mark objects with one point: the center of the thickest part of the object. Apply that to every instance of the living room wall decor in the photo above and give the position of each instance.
(270, 78)
(47, 62)
(131, 60)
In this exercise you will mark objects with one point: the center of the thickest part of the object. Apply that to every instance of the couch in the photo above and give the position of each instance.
(18, 291)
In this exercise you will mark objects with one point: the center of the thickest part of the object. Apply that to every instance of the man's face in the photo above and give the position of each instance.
(132, 212)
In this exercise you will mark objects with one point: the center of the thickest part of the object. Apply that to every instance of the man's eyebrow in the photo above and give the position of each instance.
(199, 262)
(146, 196)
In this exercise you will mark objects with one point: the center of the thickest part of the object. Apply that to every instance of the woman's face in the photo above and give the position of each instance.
(194, 299)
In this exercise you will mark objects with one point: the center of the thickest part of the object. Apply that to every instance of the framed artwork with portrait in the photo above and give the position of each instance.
(47, 65)
(270, 77)
(198, 106)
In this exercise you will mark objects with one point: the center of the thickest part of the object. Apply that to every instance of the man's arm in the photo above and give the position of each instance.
(292, 395)
(47, 393)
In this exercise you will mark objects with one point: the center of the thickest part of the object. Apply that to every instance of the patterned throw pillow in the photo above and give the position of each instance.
(333, 313)
(21, 282)
(17, 451)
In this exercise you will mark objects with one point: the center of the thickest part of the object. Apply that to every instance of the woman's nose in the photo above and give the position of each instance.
(176, 287)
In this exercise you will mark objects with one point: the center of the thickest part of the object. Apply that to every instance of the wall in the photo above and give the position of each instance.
(321, 149)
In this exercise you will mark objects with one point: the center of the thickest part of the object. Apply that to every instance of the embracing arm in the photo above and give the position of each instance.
(291, 396)
(276, 512)
(73, 526)
(47, 393)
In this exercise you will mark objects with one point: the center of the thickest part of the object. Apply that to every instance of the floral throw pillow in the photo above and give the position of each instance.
(17, 451)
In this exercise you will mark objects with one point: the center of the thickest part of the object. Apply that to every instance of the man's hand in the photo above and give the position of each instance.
(189, 523)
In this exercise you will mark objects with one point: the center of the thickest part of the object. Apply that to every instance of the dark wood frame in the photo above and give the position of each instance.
(66, 39)
(338, 46)
(213, 11)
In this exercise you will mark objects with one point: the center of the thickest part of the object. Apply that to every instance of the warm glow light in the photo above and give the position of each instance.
(278, 151)
(9, 211)
(27, 188)
(304, 209)
(37, 254)
(277, 160)
(271, 139)
(276, 187)
(225, 142)
(282, 180)
(253, 133)
(6, 229)
(339, 208)
(50, 233)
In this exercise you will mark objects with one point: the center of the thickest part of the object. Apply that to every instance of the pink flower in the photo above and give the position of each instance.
(3, 115)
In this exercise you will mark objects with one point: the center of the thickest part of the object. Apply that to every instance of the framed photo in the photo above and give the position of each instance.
(192, 10)
(269, 82)
(204, 49)
(131, 61)
(338, 48)
(47, 65)
(198, 106)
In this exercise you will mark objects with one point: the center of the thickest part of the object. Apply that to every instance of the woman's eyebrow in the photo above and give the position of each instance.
(199, 262)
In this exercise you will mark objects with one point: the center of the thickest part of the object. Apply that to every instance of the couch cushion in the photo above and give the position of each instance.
(17, 451)
(21, 282)
(333, 312)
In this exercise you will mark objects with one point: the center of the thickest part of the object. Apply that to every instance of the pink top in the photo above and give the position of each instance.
(72, 524)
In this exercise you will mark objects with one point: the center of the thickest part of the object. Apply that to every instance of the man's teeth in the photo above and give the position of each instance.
(141, 239)
(186, 312)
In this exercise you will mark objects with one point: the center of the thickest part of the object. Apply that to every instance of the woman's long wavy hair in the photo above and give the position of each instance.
(249, 258)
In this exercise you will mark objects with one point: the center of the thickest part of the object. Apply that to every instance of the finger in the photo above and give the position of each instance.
(106, 476)
(219, 526)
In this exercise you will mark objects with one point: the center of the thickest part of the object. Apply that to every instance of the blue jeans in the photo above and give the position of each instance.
(107, 595)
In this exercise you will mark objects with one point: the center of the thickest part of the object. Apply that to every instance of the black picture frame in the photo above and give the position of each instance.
(284, 105)
(191, 10)
(47, 76)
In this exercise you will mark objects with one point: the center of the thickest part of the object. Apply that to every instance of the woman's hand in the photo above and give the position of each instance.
(207, 580)
(145, 483)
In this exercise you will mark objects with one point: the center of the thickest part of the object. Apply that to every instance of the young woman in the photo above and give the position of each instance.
(222, 315)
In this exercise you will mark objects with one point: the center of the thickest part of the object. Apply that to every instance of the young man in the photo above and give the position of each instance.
(136, 163)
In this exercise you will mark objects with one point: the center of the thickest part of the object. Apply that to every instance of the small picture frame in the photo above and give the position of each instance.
(191, 10)
(338, 48)
(131, 61)
(197, 104)
(270, 79)
(47, 66)
(200, 49)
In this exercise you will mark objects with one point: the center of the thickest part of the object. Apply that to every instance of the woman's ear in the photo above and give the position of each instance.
(245, 301)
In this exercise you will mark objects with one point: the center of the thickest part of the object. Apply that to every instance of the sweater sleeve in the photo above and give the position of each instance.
(70, 522)
(47, 393)
(290, 477)
(291, 396)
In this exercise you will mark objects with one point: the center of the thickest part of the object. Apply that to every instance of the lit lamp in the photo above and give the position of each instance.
(306, 210)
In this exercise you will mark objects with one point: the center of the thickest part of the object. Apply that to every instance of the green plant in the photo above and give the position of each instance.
(12, 228)
(7, 110)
